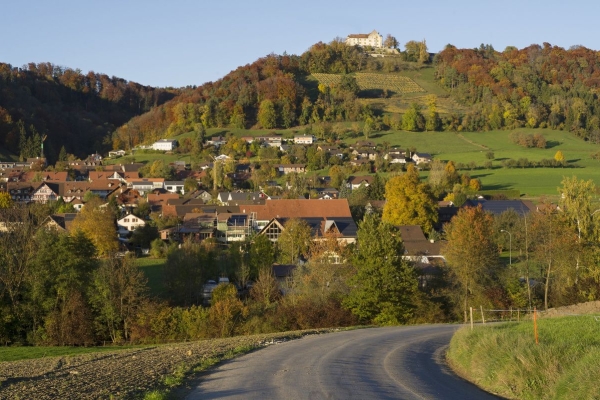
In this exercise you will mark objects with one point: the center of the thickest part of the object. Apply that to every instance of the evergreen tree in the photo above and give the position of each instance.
(385, 288)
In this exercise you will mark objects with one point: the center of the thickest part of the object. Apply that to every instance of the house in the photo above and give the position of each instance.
(361, 162)
(304, 139)
(128, 199)
(293, 208)
(328, 193)
(354, 182)
(147, 185)
(157, 201)
(202, 195)
(174, 187)
(343, 228)
(129, 223)
(497, 207)
(217, 141)
(44, 176)
(289, 168)
(116, 153)
(365, 153)
(420, 158)
(367, 144)
(222, 157)
(20, 192)
(61, 222)
(270, 140)
(165, 145)
(373, 39)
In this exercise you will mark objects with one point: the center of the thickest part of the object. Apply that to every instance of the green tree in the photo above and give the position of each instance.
(186, 270)
(409, 202)
(384, 289)
(267, 115)
(471, 255)
(118, 291)
(412, 119)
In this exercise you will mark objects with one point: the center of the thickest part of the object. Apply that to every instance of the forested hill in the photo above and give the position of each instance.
(273, 92)
(538, 86)
(74, 110)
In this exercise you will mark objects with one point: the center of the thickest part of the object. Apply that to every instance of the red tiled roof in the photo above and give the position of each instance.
(292, 208)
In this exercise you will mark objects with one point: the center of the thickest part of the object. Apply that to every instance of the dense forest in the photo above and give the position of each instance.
(73, 109)
(538, 86)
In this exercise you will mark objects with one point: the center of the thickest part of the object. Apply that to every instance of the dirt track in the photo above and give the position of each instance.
(120, 374)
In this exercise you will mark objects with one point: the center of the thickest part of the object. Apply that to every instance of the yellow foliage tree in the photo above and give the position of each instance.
(97, 223)
(5, 200)
(409, 202)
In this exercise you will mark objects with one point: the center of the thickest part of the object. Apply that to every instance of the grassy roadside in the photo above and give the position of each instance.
(504, 359)
(32, 352)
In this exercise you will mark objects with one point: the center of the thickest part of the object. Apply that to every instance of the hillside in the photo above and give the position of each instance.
(73, 109)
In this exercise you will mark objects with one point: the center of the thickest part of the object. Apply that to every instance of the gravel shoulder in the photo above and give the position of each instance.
(120, 374)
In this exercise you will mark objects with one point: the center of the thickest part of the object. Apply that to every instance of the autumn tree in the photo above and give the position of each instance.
(576, 202)
(384, 289)
(552, 249)
(390, 42)
(294, 241)
(98, 224)
(267, 115)
(559, 157)
(5, 200)
(471, 254)
(409, 202)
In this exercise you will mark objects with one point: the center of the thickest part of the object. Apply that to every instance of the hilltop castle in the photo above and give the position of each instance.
(373, 39)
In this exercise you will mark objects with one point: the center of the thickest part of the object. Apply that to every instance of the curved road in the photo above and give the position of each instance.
(378, 363)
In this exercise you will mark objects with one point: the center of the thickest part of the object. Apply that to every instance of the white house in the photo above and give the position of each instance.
(304, 139)
(116, 153)
(165, 144)
(174, 187)
(373, 39)
(129, 223)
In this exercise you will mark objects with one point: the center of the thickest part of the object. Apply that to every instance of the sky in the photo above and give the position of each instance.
(178, 43)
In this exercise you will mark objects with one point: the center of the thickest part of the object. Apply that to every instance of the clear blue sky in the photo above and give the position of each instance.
(184, 42)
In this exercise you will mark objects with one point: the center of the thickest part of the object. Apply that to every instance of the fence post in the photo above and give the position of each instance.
(471, 312)
(518, 315)
(535, 330)
(510, 314)
(482, 317)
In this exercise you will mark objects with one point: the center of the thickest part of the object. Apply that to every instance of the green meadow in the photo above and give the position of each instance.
(505, 359)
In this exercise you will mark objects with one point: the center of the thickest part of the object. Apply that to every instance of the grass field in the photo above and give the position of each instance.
(154, 270)
(504, 359)
(27, 353)
(473, 146)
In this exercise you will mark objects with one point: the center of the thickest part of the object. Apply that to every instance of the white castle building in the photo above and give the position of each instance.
(373, 39)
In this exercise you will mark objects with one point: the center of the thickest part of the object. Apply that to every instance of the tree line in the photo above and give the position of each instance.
(537, 86)
(74, 109)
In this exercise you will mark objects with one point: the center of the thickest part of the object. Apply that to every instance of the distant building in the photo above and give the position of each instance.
(304, 139)
(373, 39)
(165, 145)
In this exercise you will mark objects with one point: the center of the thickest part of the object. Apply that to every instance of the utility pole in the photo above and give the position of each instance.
(509, 246)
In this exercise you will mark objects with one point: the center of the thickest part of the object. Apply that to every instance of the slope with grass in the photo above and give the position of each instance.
(505, 359)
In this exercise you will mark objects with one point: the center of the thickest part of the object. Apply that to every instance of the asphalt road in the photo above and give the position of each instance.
(378, 363)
